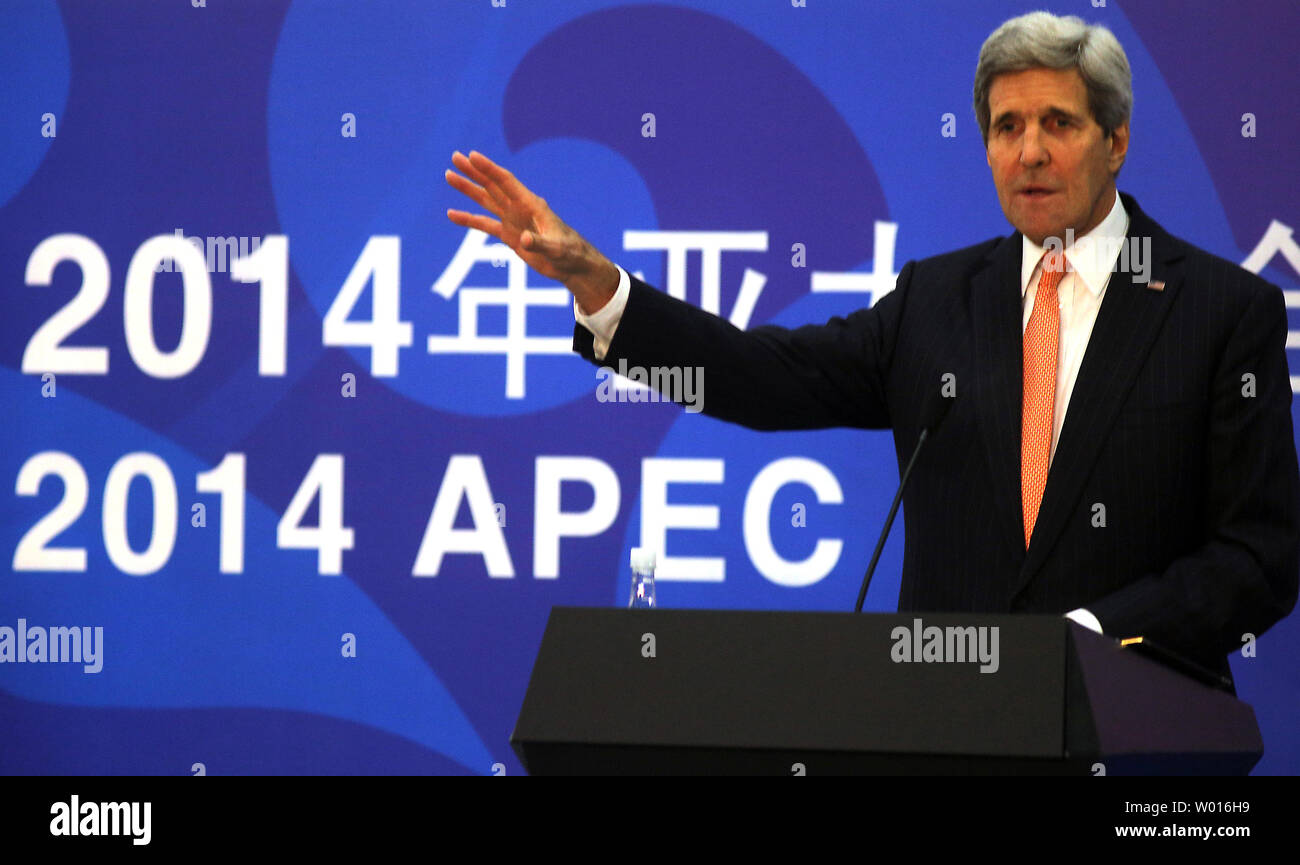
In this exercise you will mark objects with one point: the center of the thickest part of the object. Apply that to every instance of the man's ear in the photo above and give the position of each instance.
(987, 158)
(1118, 147)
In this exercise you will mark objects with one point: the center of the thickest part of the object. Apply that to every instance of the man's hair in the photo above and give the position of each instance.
(1044, 40)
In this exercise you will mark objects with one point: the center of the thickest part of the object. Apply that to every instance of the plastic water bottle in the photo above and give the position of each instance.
(643, 580)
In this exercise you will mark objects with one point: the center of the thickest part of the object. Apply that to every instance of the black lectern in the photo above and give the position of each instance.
(750, 692)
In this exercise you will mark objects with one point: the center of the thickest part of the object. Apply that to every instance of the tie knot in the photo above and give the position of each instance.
(1053, 270)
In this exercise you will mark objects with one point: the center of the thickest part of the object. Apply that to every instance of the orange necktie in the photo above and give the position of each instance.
(1042, 338)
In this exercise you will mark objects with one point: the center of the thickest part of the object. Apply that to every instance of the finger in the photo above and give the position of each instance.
(508, 183)
(472, 191)
(475, 220)
(489, 186)
(462, 162)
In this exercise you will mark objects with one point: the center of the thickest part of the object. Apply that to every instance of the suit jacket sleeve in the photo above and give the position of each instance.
(769, 377)
(1244, 576)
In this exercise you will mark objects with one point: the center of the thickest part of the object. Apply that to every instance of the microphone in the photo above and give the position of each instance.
(932, 414)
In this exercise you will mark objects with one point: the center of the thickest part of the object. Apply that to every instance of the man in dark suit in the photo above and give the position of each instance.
(1118, 447)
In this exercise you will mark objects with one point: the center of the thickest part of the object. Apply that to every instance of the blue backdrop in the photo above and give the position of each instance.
(320, 501)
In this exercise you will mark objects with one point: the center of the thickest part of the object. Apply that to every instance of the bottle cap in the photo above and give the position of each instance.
(643, 559)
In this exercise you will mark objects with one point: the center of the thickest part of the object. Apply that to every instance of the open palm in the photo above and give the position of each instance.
(523, 221)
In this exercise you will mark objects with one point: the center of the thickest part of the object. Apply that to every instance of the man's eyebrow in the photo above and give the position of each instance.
(1054, 110)
(1050, 111)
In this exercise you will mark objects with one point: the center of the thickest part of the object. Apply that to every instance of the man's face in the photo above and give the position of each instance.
(1052, 166)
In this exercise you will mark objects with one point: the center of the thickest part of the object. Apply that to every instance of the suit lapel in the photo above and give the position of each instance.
(996, 324)
(1127, 323)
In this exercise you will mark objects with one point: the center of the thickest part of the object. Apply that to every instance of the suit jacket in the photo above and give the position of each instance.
(1172, 505)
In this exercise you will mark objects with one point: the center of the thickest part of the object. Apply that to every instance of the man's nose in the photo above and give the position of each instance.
(1032, 151)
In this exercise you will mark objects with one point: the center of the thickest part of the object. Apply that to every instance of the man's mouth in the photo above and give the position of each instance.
(1034, 193)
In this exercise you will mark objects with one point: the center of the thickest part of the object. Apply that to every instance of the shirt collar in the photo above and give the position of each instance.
(1092, 256)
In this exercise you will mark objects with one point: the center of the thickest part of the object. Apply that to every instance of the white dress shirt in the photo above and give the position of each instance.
(604, 322)
(1090, 260)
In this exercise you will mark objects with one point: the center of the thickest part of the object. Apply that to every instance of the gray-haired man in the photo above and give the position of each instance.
(1120, 449)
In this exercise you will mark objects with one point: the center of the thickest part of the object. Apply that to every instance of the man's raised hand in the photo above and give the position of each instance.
(528, 226)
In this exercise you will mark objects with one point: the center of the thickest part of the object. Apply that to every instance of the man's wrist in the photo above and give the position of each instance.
(604, 322)
(593, 292)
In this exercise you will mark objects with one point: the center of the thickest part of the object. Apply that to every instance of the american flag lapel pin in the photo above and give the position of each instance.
(1156, 285)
